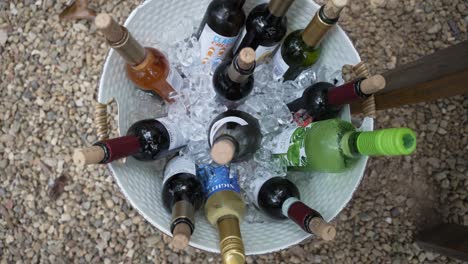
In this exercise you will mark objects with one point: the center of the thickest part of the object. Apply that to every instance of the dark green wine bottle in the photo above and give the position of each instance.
(301, 48)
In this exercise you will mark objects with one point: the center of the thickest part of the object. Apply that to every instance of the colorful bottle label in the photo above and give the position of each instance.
(174, 79)
(219, 178)
(214, 46)
(176, 137)
(181, 164)
(280, 67)
(290, 145)
(218, 124)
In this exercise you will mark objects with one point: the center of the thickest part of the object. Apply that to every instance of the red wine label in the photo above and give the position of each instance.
(216, 179)
(181, 164)
(176, 137)
(219, 124)
(280, 67)
(214, 46)
(174, 79)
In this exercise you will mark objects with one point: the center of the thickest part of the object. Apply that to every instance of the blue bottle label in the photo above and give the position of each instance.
(219, 178)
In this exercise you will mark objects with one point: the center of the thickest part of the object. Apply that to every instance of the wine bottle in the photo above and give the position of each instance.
(334, 145)
(233, 80)
(182, 195)
(265, 27)
(279, 198)
(234, 136)
(146, 67)
(300, 49)
(220, 29)
(146, 140)
(225, 210)
(323, 100)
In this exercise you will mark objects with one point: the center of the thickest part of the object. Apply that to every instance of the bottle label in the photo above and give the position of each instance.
(291, 146)
(174, 79)
(214, 47)
(263, 52)
(257, 185)
(176, 137)
(218, 124)
(181, 164)
(283, 141)
(279, 65)
(217, 179)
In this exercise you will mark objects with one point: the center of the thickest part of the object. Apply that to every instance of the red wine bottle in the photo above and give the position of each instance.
(233, 80)
(182, 195)
(323, 100)
(279, 198)
(146, 140)
(219, 30)
(234, 136)
(265, 27)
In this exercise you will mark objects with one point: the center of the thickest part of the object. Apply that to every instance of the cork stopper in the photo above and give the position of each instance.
(222, 152)
(324, 230)
(181, 236)
(109, 27)
(246, 58)
(373, 84)
(90, 155)
(332, 8)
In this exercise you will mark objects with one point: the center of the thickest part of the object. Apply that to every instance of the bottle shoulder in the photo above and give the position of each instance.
(225, 18)
(265, 26)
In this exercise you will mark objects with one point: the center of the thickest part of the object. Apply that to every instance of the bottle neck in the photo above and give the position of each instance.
(317, 28)
(129, 49)
(183, 212)
(231, 245)
(346, 93)
(279, 8)
(300, 213)
(240, 4)
(120, 147)
(383, 142)
(237, 74)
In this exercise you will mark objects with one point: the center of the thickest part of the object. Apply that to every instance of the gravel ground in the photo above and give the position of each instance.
(48, 80)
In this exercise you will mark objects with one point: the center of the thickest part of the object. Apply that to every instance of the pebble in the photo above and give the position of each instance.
(434, 29)
(3, 37)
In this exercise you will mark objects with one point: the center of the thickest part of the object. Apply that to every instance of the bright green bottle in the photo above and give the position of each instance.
(301, 48)
(334, 145)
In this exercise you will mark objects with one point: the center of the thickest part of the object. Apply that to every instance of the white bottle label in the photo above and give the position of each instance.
(218, 124)
(257, 185)
(263, 52)
(179, 165)
(279, 65)
(176, 137)
(214, 47)
(174, 79)
(283, 141)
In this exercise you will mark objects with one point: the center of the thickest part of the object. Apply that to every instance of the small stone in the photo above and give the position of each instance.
(153, 240)
(130, 244)
(434, 29)
(365, 217)
(9, 239)
(395, 212)
(441, 131)
(65, 218)
(109, 203)
(3, 37)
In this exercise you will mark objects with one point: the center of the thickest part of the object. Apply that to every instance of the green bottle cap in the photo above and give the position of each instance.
(389, 142)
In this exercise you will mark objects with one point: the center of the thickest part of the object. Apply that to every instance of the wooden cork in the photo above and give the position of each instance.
(109, 27)
(373, 84)
(324, 230)
(90, 155)
(222, 152)
(246, 58)
(332, 8)
(181, 236)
